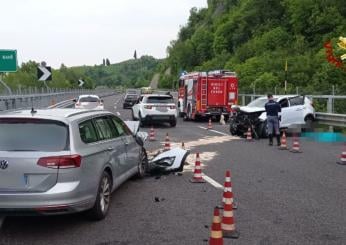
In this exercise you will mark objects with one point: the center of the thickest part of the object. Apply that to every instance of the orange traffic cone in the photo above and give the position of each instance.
(228, 188)
(342, 158)
(152, 134)
(283, 145)
(228, 225)
(167, 144)
(197, 174)
(296, 145)
(249, 135)
(209, 124)
(216, 231)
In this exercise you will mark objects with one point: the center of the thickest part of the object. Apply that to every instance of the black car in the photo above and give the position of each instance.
(130, 100)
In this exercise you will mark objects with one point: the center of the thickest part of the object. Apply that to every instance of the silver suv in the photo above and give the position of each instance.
(57, 161)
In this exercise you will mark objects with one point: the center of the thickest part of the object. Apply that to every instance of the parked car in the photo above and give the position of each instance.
(155, 108)
(58, 161)
(295, 110)
(89, 102)
(130, 100)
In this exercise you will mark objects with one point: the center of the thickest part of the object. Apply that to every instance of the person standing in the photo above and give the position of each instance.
(273, 109)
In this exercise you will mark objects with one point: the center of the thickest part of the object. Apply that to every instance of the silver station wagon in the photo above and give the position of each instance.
(57, 161)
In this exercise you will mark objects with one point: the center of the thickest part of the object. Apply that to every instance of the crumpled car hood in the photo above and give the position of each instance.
(251, 109)
(169, 161)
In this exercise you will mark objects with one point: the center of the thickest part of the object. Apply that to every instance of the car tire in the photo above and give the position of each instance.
(141, 120)
(143, 164)
(133, 116)
(100, 209)
(173, 123)
(263, 130)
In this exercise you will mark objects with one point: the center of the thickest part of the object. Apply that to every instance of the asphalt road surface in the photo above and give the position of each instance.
(283, 198)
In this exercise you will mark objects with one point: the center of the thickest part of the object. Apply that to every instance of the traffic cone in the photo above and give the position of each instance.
(167, 144)
(228, 188)
(216, 237)
(283, 145)
(197, 174)
(228, 224)
(249, 135)
(342, 158)
(296, 145)
(209, 124)
(152, 134)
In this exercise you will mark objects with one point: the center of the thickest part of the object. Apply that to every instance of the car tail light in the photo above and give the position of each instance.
(69, 161)
(172, 107)
(77, 104)
(148, 107)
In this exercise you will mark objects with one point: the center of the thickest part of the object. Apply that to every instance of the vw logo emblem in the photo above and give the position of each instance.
(3, 164)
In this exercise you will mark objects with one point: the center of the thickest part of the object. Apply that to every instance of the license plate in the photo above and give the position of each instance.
(162, 109)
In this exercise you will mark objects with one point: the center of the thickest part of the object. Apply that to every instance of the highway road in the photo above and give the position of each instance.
(283, 198)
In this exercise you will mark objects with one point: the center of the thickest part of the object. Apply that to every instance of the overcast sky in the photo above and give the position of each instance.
(78, 32)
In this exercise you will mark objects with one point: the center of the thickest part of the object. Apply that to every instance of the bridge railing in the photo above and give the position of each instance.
(327, 117)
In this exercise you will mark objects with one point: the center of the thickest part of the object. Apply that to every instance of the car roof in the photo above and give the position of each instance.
(89, 95)
(157, 95)
(65, 115)
(280, 96)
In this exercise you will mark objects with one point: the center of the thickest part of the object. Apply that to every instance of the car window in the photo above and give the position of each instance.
(260, 102)
(89, 99)
(283, 103)
(25, 134)
(87, 132)
(104, 129)
(299, 100)
(160, 99)
(131, 96)
(121, 126)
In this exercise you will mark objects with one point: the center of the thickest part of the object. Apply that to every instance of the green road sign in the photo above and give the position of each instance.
(8, 60)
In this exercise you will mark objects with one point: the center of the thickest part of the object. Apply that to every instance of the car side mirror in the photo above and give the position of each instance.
(74, 100)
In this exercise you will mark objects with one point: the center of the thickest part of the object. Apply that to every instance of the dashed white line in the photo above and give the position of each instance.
(213, 131)
(212, 182)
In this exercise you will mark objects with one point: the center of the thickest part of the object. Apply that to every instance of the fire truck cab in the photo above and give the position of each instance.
(207, 94)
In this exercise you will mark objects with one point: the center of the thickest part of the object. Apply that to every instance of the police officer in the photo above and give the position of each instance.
(273, 119)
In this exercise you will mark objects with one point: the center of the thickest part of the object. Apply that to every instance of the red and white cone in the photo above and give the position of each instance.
(228, 188)
(296, 145)
(167, 143)
(216, 237)
(342, 158)
(228, 224)
(249, 135)
(283, 145)
(210, 126)
(152, 134)
(197, 174)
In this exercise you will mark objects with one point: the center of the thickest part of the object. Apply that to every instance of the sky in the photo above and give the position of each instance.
(83, 32)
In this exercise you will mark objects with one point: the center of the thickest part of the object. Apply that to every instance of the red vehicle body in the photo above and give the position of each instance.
(211, 94)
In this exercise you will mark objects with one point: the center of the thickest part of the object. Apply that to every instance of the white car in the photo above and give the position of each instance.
(89, 102)
(155, 108)
(295, 111)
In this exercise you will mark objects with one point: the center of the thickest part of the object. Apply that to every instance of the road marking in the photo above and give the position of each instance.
(118, 113)
(213, 131)
(2, 219)
(212, 182)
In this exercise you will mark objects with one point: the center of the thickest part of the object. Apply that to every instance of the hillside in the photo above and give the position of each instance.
(255, 38)
(130, 73)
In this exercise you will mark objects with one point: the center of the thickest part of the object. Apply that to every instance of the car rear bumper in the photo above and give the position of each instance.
(161, 118)
(62, 198)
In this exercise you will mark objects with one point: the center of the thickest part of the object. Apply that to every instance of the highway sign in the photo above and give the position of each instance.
(8, 60)
(44, 73)
(80, 82)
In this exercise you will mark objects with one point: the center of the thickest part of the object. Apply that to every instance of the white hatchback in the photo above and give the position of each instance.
(152, 108)
(89, 102)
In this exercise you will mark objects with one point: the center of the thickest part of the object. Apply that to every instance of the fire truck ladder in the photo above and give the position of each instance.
(204, 86)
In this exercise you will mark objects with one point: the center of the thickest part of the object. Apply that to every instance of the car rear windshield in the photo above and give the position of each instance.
(89, 99)
(131, 96)
(160, 100)
(33, 135)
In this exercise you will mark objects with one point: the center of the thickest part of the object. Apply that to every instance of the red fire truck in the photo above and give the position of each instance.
(207, 94)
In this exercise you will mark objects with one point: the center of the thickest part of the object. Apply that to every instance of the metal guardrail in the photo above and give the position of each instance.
(329, 118)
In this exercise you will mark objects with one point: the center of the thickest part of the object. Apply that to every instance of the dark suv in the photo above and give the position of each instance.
(130, 100)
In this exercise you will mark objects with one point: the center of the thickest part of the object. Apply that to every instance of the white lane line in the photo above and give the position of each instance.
(118, 113)
(212, 182)
(213, 131)
(2, 219)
